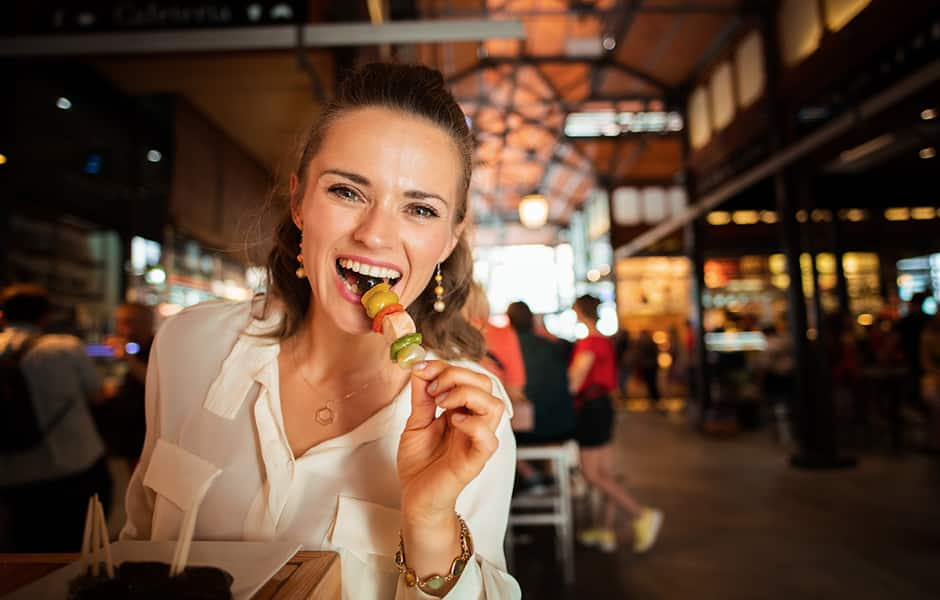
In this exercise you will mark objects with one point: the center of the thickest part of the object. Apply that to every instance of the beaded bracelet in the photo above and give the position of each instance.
(434, 584)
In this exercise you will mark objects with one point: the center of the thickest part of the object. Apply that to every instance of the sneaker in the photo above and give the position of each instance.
(646, 530)
(588, 537)
(606, 541)
(603, 539)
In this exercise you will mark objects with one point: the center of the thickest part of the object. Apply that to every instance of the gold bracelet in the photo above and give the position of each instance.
(434, 584)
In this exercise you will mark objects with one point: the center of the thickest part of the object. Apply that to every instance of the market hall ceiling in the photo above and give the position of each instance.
(576, 56)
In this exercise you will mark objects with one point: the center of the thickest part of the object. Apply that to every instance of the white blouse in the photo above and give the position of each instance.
(215, 434)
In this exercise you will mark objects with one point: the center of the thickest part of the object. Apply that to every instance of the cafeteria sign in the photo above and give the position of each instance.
(64, 17)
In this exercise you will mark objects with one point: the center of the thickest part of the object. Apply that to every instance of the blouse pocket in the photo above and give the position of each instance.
(180, 480)
(368, 530)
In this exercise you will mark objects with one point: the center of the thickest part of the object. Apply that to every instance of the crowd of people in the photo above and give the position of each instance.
(60, 419)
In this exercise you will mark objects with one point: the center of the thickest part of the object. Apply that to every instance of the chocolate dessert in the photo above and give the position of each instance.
(151, 580)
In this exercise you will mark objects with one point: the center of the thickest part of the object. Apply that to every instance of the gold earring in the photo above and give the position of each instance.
(300, 272)
(439, 305)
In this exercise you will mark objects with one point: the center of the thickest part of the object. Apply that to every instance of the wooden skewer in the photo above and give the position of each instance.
(86, 536)
(95, 538)
(103, 527)
(181, 553)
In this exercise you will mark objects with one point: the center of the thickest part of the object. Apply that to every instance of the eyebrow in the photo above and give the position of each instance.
(360, 180)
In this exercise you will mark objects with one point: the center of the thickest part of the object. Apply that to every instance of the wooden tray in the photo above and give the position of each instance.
(307, 576)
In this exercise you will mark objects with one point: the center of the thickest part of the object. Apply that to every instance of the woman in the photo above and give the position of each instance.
(286, 413)
(592, 376)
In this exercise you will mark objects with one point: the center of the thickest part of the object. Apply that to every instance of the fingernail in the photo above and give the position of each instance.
(432, 387)
(419, 366)
(441, 398)
(458, 417)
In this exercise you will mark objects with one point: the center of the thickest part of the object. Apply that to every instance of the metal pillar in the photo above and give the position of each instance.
(700, 379)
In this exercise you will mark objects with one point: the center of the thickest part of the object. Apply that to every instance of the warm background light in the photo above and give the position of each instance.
(533, 211)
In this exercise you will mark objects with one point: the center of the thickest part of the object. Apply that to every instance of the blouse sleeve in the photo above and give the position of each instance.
(484, 505)
(139, 500)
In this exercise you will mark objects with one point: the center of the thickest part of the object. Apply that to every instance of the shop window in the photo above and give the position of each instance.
(749, 69)
(722, 96)
(800, 28)
(700, 129)
(626, 206)
(840, 12)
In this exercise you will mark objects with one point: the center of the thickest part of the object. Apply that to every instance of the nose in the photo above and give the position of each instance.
(377, 227)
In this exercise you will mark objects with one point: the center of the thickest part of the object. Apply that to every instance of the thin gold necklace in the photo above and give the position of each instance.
(325, 414)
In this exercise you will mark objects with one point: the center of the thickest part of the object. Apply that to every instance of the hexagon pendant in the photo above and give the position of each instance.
(324, 416)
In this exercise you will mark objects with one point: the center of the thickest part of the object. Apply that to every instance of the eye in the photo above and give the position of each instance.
(344, 192)
(423, 211)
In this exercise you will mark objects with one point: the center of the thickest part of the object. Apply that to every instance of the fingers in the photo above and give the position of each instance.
(483, 443)
(442, 377)
(456, 389)
(473, 402)
(422, 403)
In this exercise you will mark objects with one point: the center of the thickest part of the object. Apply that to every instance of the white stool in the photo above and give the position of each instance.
(558, 500)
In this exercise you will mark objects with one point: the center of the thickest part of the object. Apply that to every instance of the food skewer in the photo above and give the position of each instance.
(390, 319)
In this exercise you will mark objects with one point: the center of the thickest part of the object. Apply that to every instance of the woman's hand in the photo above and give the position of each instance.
(438, 457)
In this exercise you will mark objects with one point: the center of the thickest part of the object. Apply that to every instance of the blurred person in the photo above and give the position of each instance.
(911, 327)
(287, 417)
(546, 388)
(623, 349)
(930, 381)
(592, 376)
(647, 363)
(122, 419)
(503, 355)
(884, 344)
(51, 456)
(777, 367)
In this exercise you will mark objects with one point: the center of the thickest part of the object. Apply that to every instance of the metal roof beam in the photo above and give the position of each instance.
(275, 37)
(827, 133)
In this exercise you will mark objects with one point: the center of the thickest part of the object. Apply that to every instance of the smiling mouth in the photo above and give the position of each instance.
(360, 278)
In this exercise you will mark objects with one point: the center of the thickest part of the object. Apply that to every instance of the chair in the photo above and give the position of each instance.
(529, 509)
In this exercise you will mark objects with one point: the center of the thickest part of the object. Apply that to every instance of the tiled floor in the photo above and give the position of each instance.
(741, 524)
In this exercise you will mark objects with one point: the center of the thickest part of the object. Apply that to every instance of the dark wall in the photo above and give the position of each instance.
(89, 161)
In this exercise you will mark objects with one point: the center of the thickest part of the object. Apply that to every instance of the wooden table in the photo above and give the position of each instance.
(307, 576)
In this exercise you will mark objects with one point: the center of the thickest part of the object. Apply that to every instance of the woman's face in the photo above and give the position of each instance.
(379, 201)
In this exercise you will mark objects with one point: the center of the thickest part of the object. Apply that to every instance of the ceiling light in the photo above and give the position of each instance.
(928, 114)
(533, 211)
(63, 103)
(897, 214)
(718, 217)
(768, 216)
(801, 216)
(923, 213)
(855, 215)
(154, 156)
(928, 152)
(610, 123)
(745, 217)
(3, 159)
(865, 319)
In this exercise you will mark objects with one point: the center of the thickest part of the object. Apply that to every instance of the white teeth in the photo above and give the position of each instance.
(369, 270)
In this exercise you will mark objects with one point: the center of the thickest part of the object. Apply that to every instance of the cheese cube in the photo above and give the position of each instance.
(396, 325)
